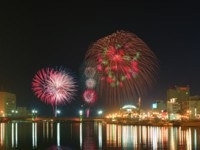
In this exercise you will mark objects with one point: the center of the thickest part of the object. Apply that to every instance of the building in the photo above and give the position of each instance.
(173, 109)
(159, 106)
(179, 93)
(177, 101)
(129, 111)
(194, 107)
(22, 112)
(7, 104)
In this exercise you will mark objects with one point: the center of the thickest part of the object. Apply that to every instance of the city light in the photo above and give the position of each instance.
(100, 112)
(58, 112)
(80, 112)
(34, 114)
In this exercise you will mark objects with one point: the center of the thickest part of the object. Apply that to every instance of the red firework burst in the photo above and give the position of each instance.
(89, 96)
(124, 64)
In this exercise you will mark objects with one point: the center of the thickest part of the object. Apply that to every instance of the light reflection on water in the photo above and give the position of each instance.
(96, 136)
(14, 136)
(34, 135)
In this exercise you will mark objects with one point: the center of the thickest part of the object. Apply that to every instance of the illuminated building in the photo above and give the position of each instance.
(7, 104)
(129, 111)
(173, 108)
(177, 99)
(179, 93)
(159, 105)
(194, 107)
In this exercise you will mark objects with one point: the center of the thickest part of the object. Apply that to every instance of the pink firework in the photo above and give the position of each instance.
(54, 86)
(90, 83)
(89, 96)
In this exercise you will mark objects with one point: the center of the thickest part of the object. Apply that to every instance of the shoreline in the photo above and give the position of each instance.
(164, 123)
(188, 123)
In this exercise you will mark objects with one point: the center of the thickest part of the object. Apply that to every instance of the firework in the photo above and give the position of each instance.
(90, 83)
(90, 72)
(124, 66)
(89, 96)
(54, 86)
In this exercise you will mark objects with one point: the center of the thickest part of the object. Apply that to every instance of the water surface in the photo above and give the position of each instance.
(95, 136)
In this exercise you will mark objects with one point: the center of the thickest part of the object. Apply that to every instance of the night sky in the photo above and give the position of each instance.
(37, 35)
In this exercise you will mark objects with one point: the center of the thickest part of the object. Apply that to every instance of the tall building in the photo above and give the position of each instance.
(177, 101)
(173, 109)
(7, 104)
(194, 107)
(178, 93)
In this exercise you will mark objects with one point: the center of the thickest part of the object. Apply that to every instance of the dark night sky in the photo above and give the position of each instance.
(33, 36)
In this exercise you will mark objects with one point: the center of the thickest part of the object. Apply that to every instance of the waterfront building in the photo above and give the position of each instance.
(177, 100)
(129, 111)
(7, 104)
(159, 106)
(159, 110)
(173, 109)
(23, 112)
(180, 93)
(194, 107)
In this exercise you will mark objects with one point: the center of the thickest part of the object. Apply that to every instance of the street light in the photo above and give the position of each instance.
(58, 112)
(34, 114)
(100, 112)
(14, 112)
(81, 114)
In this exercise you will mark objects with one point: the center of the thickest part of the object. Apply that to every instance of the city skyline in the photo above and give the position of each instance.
(48, 35)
